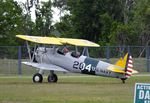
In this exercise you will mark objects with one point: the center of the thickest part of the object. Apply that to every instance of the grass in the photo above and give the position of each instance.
(69, 89)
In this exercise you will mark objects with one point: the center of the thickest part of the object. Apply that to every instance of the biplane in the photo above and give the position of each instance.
(57, 57)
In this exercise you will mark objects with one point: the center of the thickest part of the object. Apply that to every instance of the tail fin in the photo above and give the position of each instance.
(127, 64)
(129, 67)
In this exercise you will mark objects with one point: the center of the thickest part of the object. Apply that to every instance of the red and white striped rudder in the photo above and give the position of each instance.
(129, 67)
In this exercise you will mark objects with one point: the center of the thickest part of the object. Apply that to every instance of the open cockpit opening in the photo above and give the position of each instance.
(63, 50)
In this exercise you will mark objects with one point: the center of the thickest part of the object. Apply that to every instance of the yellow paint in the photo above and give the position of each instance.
(58, 41)
(116, 69)
(134, 71)
(120, 65)
(40, 40)
(122, 61)
(78, 42)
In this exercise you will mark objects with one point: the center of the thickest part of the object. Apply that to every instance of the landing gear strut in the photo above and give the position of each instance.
(52, 77)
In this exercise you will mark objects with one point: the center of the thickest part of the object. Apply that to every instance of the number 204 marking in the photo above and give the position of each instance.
(83, 66)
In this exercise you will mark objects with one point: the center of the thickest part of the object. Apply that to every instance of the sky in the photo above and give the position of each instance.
(55, 12)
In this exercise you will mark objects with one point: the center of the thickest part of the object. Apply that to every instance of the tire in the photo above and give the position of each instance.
(52, 78)
(37, 78)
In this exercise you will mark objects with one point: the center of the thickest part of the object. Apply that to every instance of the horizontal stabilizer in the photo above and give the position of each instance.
(134, 71)
(44, 66)
(126, 63)
(116, 69)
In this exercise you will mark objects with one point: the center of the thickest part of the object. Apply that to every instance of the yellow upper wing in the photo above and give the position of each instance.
(78, 42)
(39, 39)
(58, 41)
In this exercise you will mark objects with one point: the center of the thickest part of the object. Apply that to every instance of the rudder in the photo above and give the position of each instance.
(129, 66)
(127, 63)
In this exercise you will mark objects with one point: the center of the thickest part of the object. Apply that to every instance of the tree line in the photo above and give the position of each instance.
(107, 22)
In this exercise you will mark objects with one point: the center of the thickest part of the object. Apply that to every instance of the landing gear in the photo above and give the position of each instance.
(52, 78)
(37, 78)
(123, 80)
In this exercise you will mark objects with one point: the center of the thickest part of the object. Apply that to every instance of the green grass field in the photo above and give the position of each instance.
(69, 89)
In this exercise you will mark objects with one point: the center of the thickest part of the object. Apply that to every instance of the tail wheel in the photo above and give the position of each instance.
(37, 78)
(123, 80)
(52, 78)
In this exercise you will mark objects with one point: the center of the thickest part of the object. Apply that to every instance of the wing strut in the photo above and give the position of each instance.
(29, 51)
(76, 49)
(85, 52)
(31, 55)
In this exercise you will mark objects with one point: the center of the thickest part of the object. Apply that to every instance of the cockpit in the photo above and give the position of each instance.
(65, 50)
(75, 54)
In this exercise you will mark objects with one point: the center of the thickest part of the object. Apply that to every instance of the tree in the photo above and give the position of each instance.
(10, 21)
(65, 27)
(123, 34)
(91, 19)
(141, 21)
(44, 18)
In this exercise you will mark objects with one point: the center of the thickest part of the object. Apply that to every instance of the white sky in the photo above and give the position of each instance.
(55, 12)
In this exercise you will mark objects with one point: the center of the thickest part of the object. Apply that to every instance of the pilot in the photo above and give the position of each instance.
(65, 50)
(78, 54)
(75, 54)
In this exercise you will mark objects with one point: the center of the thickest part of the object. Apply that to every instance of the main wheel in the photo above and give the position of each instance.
(52, 78)
(37, 78)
